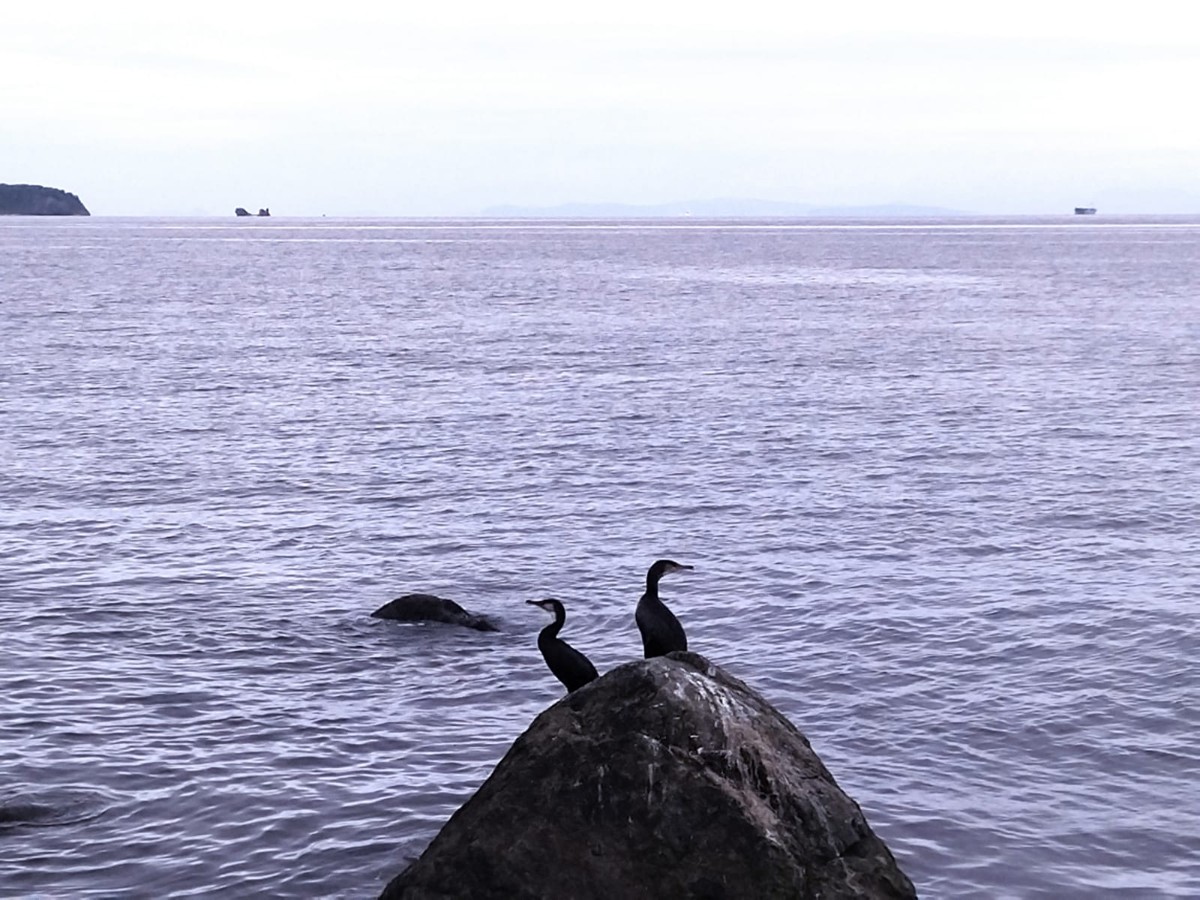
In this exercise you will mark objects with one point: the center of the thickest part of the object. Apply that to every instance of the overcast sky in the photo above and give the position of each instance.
(351, 108)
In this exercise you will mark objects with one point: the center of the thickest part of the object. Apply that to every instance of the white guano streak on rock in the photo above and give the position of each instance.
(735, 715)
(727, 707)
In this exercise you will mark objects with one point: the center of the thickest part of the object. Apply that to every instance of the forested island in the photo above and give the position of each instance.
(35, 200)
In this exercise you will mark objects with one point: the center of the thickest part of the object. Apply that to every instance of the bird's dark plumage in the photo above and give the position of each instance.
(569, 666)
(661, 631)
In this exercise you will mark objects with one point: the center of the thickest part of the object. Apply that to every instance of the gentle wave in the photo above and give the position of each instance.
(937, 480)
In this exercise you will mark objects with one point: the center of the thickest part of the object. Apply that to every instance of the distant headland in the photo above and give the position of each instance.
(35, 200)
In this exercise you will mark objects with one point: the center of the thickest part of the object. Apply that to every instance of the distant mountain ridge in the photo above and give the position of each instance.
(717, 209)
(35, 200)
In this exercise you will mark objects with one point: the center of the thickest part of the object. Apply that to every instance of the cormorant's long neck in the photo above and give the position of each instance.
(552, 630)
(652, 584)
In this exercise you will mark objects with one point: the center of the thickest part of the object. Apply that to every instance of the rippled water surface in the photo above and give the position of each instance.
(940, 482)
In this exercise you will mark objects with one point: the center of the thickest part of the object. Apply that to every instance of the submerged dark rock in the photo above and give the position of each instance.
(430, 608)
(35, 200)
(48, 806)
(665, 778)
(17, 812)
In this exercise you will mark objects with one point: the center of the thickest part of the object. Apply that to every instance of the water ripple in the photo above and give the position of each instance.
(938, 482)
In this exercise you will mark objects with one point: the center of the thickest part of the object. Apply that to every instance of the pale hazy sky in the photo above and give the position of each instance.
(351, 108)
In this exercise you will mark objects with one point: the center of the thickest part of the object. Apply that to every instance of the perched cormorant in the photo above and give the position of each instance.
(661, 631)
(569, 666)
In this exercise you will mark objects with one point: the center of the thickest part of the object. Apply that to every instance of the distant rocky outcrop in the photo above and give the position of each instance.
(431, 608)
(35, 200)
(666, 778)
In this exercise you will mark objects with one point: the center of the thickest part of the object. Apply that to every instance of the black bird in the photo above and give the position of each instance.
(569, 666)
(661, 631)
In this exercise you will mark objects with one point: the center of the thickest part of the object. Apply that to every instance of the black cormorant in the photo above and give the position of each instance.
(569, 666)
(661, 631)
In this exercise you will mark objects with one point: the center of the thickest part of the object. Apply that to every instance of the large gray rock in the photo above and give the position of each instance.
(668, 779)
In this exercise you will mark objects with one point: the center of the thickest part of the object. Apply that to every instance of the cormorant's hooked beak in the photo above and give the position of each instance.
(680, 567)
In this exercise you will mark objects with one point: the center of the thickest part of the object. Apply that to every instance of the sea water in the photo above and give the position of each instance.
(939, 480)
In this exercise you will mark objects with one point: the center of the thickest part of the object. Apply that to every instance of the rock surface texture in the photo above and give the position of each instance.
(666, 778)
(35, 200)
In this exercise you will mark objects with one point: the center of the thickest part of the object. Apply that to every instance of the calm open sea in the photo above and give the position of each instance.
(940, 481)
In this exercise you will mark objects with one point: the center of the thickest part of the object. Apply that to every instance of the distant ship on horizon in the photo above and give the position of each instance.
(1085, 210)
